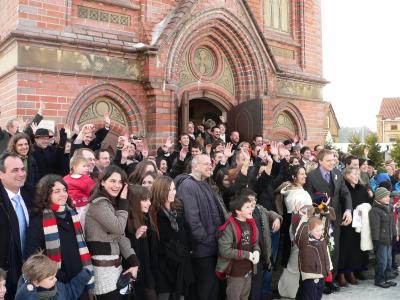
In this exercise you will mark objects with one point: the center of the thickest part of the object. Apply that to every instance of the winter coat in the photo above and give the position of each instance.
(105, 228)
(228, 244)
(4, 138)
(71, 263)
(202, 212)
(314, 259)
(382, 224)
(174, 272)
(65, 291)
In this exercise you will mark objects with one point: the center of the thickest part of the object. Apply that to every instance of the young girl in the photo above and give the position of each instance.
(174, 274)
(140, 232)
(3, 288)
(79, 185)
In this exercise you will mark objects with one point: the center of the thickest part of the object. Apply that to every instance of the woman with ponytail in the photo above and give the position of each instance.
(56, 229)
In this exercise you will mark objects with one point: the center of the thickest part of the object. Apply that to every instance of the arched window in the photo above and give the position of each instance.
(277, 15)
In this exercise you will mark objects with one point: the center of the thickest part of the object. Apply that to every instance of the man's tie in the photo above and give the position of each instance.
(328, 177)
(19, 210)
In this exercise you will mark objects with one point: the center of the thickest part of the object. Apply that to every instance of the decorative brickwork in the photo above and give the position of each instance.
(145, 61)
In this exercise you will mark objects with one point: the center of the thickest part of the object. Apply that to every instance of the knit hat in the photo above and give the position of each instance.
(381, 193)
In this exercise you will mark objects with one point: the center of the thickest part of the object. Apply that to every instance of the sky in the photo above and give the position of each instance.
(361, 57)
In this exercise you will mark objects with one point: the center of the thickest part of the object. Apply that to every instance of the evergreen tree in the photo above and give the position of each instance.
(355, 147)
(374, 150)
(395, 152)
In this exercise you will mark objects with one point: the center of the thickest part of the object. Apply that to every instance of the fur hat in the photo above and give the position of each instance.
(381, 193)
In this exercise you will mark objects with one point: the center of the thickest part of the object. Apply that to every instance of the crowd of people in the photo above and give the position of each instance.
(208, 217)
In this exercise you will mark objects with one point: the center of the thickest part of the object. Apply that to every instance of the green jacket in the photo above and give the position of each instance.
(228, 242)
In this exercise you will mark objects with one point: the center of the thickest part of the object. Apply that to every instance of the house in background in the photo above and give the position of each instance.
(388, 120)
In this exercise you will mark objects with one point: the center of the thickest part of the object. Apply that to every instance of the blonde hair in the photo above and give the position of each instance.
(39, 267)
(75, 161)
(314, 222)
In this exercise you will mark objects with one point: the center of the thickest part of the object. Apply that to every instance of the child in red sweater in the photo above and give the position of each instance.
(79, 185)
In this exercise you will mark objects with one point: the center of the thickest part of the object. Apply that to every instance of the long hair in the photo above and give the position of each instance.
(14, 140)
(137, 175)
(159, 195)
(44, 189)
(136, 194)
(103, 176)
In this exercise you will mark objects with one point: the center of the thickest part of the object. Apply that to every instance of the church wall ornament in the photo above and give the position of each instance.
(78, 62)
(299, 90)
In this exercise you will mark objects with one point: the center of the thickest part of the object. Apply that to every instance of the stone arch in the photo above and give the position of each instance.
(296, 117)
(119, 97)
(245, 53)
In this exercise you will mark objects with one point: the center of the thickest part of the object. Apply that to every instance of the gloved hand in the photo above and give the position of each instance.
(256, 257)
(251, 257)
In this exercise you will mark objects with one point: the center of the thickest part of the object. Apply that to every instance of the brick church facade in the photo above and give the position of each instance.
(156, 64)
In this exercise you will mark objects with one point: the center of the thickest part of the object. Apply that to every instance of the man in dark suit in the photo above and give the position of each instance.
(15, 204)
(327, 179)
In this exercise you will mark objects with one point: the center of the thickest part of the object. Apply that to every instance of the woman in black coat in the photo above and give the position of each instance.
(52, 197)
(351, 257)
(140, 232)
(174, 275)
(20, 144)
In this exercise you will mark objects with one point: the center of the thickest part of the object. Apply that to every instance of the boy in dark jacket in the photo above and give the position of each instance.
(238, 249)
(39, 281)
(383, 230)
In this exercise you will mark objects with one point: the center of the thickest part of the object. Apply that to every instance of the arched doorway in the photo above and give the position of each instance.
(200, 110)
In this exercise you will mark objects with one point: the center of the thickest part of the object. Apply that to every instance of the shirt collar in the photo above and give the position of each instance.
(323, 172)
(12, 194)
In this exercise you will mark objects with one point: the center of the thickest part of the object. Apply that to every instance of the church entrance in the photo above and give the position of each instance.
(246, 117)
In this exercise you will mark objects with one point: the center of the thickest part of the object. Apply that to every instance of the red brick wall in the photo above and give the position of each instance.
(8, 98)
(58, 93)
(313, 37)
(8, 17)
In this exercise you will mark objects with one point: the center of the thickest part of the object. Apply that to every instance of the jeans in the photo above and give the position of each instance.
(383, 264)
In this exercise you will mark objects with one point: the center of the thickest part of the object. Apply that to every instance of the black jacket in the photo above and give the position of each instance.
(32, 177)
(382, 224)
(71, 263)
(174, 265)
(203, 214)
(10, 244)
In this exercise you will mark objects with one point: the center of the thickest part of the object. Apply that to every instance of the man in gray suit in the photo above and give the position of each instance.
(327, 179)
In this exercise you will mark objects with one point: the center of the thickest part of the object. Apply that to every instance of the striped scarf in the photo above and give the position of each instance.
(52, 238)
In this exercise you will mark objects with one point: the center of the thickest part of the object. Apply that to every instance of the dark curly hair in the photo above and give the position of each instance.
(44, 189)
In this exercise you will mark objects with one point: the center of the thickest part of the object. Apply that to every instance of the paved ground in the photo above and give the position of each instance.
(366, 290)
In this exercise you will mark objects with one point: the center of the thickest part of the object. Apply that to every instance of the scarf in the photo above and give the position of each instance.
(52, 238)
(171, 215)
(44, 294)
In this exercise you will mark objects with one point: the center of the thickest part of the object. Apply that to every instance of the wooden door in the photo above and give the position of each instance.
(247, 119)
(183, 113)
